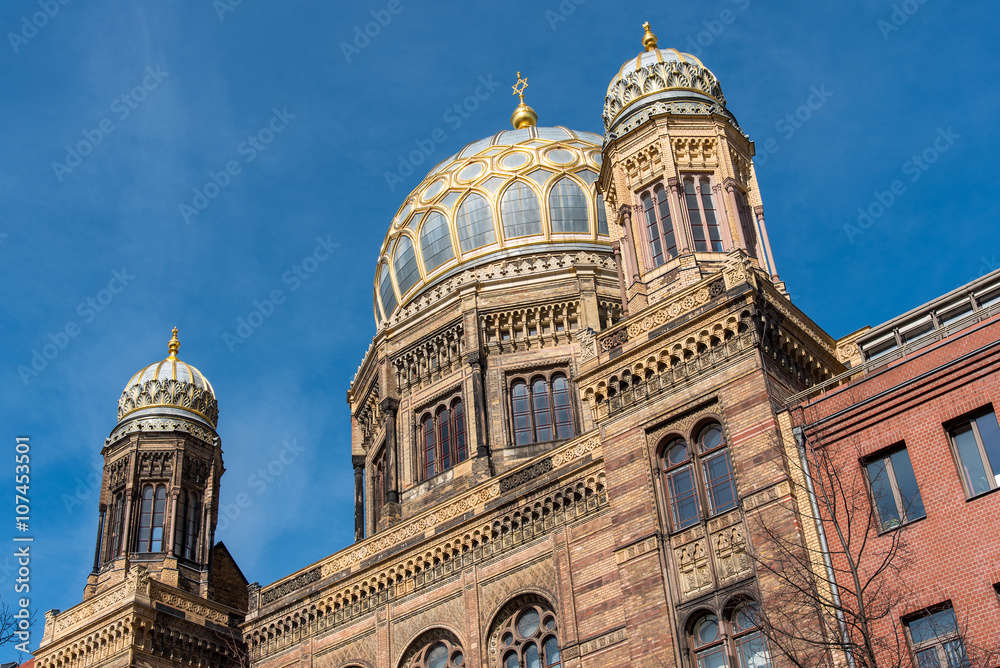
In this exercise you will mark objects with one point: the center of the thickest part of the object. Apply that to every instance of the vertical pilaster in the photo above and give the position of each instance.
(389, 407)
(759, 211)
(616, 246)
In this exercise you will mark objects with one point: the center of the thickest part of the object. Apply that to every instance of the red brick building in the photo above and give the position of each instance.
(906, 444)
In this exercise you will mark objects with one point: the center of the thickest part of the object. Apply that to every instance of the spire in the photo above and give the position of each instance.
(173, 345)
(524, 116)
(649, 39)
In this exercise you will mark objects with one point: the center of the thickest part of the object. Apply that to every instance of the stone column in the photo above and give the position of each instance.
(682, 231)
(389, 406)
(359, 497)
(631, 250)
(759, 211)
(730, 185)
(616, 246)
(475, 362)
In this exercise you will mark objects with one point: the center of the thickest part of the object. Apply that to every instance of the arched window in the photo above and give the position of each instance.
(519, 211)
(435, 242)
(443, 438)
(719, 486)
(701, 210)
(681, 485)
(405, 264)
(568, 207)
(385, 291)
(541, 410)
(529, 639)
(186, 524)
(700, 479)
(151, 512)
(602, 216)
(117, 526)
(659, 227)
(738, 635)
(475, 223)
(440, 654)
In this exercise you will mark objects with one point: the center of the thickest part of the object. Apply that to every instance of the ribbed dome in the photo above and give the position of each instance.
(169, 388)
(677, 81)
(516, 192)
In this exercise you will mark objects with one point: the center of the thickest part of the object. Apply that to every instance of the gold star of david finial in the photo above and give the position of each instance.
(520, 86)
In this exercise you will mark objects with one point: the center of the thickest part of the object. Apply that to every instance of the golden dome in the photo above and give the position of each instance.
(669, 79)
(169, 388)
(517, 192)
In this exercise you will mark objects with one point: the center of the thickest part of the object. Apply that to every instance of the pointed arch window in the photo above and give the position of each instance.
(475, 223)
(519, 211)
(701, 211)
(442, 438)
(435, 242)
(660, 237)
(151, 513)
(385, 291)
(405, 264)
(568, 207)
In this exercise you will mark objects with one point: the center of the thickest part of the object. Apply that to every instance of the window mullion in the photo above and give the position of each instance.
(991, 477)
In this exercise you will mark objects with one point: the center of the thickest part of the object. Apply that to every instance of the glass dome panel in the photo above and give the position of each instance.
(554, 133)
(435, 242)
(519, 211)
(568, 207)
(509, 137)
(385, 291)
(602, 216)
(405, 264)
(475, 147)
(475, 223)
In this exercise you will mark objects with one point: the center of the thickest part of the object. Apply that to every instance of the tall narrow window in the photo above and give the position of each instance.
(522, 414)
(430, 446)
(681, 485)
(385, 291)
(458, 417)
(378, 485)
(180, 522)
(405, 264)
(568, 207)
(659, 228)
(977, 448)
(153, 505)
(751, 646)
(701, 210)
(444, 439)
(602, 216)
(720, 488)
(116, 532)
(435, 241)
(746, 222)
(708, 642)
(519, 211)
(560, 400)
(475, 223)
(191, 526)
(540, 410)
(894, 490)
(739, 635)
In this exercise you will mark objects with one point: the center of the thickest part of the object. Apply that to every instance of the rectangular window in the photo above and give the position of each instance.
(700, 201)
(935, 640)
(894, 490)
(977, 449)
(683, 497)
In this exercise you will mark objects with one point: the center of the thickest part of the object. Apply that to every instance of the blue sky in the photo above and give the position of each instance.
(165, 95)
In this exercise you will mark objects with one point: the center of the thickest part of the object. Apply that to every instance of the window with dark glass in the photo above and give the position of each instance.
(186, 524)
(659, 227)
(935, 640)
(700, 203)
(151, 512)
(378, 484)
(714, 640)
(541, 409)
(977, 448)
(530, 639)
(440, 654)
(117, 526)
(893, 487)
(442, 438)
(702, 478)
(747, 223)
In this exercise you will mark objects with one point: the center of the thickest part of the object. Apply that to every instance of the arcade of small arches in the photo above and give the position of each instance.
(507, 532)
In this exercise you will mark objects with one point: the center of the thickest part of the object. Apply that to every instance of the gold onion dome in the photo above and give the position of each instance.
(169, 388)
(660, 81)
(520, 192)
